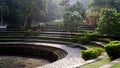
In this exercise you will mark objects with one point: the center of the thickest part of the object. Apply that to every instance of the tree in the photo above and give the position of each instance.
(72, 20)
(78, 6)
(31, 10)
(73, 16)
(4, 10)
(109, 22)
(97, 4)
(54, 10)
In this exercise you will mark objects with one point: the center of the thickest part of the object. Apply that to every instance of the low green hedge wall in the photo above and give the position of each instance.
(85, 37)
(92, 53)
(113, 49)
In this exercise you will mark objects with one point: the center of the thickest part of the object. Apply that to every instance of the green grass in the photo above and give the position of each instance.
(97, 64)
(6, 61)
(116, 66)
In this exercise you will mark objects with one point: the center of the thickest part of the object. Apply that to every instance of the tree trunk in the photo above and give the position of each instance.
(1, 18)
(25, 23)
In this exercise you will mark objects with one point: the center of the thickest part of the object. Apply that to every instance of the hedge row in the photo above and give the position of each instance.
(112, 49)
(92, 53)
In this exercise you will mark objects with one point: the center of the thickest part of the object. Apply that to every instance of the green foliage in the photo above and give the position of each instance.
(31, 32)
(113, 49)
(72, 20)
(85, 37)
(92, 53)
(73, 16)
(109, 22)
(78, 6)
(91, 35)
(97, 4)
(81, 37)
(37, 32)
(22, 13)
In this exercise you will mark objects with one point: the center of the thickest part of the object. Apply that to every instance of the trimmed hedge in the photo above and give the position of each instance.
(85, 37)
(113, 49)
(92, 53)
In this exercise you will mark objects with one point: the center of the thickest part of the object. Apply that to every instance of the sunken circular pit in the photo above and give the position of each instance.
(28, 50)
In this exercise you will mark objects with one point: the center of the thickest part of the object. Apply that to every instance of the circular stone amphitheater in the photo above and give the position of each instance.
(60, 56)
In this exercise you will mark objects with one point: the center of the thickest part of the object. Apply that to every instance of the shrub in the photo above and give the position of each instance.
(92, 53)
(113, 49)
(91, 35)
(85, 37)
(29, 32)
(37, 32)
(77, 36)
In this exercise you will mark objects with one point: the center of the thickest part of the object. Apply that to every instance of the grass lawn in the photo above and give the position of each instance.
(116, 66)
(97, 64)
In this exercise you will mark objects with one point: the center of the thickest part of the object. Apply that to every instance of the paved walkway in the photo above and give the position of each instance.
(111, 63)
(72, 60)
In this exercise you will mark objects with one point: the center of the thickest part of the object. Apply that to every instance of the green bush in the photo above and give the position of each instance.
(113, 49)
(92, 53)
(29, 32)
(85, 37)
(91, 35)
(36, 32)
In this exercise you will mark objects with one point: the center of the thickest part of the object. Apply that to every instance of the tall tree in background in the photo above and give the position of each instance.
(22, 13)
(3, 11)
(29, 9)
(78, 6)
(54, 10)
(97, 4)
(73, 16)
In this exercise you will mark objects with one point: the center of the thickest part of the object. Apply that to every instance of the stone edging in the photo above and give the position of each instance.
(111, 63)
(93, 60)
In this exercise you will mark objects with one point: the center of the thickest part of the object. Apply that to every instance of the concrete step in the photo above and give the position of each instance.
(41, 37)
(59, 33)
(56, 35)
(97, 43)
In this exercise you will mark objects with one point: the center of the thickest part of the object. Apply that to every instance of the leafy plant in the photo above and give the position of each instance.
(92, 53)
(113, 49)
(109, 22)
(29, 32)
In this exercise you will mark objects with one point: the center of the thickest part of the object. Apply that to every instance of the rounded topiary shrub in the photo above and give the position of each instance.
(92, 53)
(113, 49)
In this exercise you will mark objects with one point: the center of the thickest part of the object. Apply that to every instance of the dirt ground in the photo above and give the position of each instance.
(21, 62)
